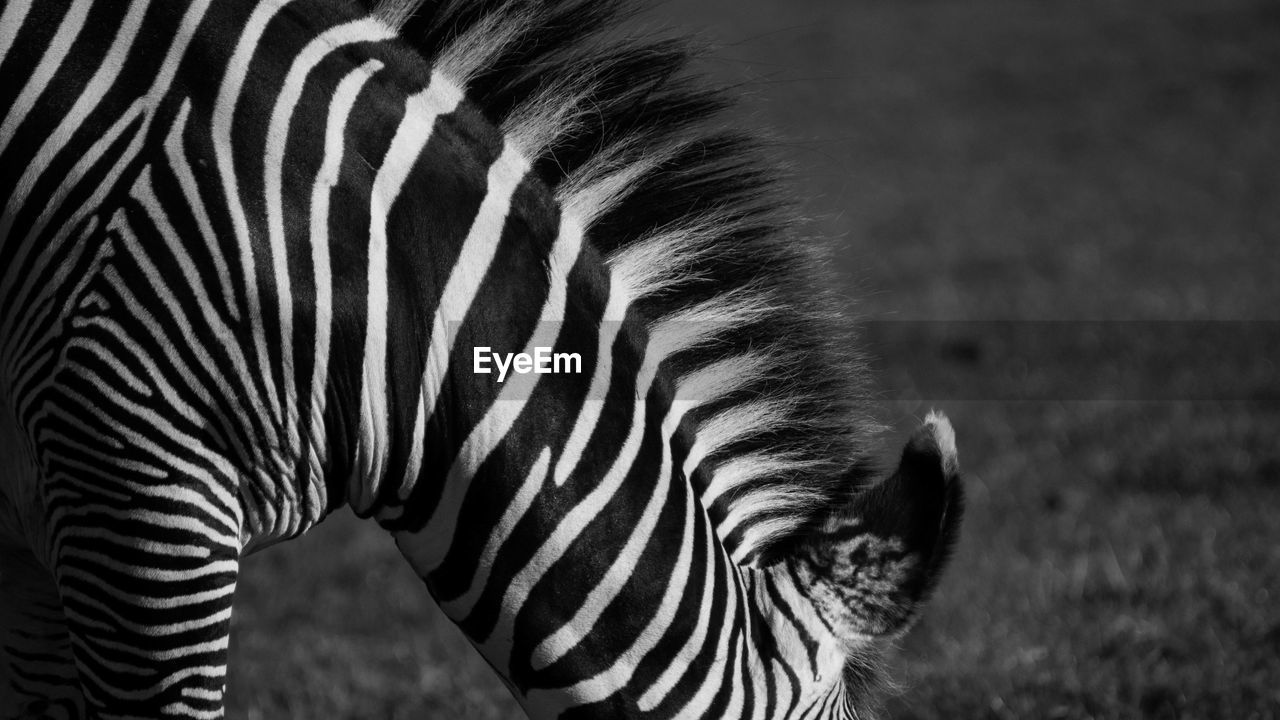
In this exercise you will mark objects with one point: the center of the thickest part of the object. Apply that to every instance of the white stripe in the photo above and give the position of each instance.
(227, 515)
(460, 607)
(213, 672)
(598, 390)
(175, 151)
(471, 266)
(88, 159)
(108, 358)
(71, 121)
(45, 304)
(140, 107)
(140, 314)
(754, 535)
(217, 567)
(711, 681)
(576, 629)
(498, 647)
(38, 81)
(623, 669)
(737, 695)
(10, 22)
(610, 586)
(121, 226)
(229, 501)
(746, 467)
(431, 544)
(143, 192)
(127, 489)
(224, 111)
(421, 111)
(344, 99)
(676, 332)
(417, 442)
(160, 602)
(683, 659)
(330, 41)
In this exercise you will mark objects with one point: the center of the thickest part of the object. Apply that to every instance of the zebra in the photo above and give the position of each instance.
(248, 255)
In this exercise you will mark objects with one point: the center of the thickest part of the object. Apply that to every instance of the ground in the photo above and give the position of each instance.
(1060, 223)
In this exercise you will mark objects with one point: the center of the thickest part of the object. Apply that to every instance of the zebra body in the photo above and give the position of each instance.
(247, 251)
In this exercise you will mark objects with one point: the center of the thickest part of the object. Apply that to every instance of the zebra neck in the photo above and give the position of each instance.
(480, 268)
(563, 474)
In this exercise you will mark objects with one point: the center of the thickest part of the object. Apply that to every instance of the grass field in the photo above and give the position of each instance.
(1088, 194)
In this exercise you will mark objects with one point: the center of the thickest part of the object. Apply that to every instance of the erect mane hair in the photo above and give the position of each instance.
(694, 227)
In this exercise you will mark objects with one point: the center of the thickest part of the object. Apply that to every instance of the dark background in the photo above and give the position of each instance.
(1059, 222)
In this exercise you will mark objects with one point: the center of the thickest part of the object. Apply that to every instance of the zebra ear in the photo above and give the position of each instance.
(869, 571)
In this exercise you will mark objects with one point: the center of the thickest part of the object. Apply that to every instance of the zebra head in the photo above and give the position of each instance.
(861, 578)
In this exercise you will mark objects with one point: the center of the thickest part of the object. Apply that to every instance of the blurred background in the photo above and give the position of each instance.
(1061, 225)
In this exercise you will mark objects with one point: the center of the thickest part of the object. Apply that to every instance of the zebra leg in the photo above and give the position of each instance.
(147, 588)
(37, 671)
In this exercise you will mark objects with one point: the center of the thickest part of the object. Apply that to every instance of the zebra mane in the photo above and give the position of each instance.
(698, 238)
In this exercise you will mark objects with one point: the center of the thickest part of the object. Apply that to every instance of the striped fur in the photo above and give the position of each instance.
(696, 231)
(247, 252)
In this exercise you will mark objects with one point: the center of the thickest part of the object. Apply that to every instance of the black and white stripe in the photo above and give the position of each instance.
(246, 252)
